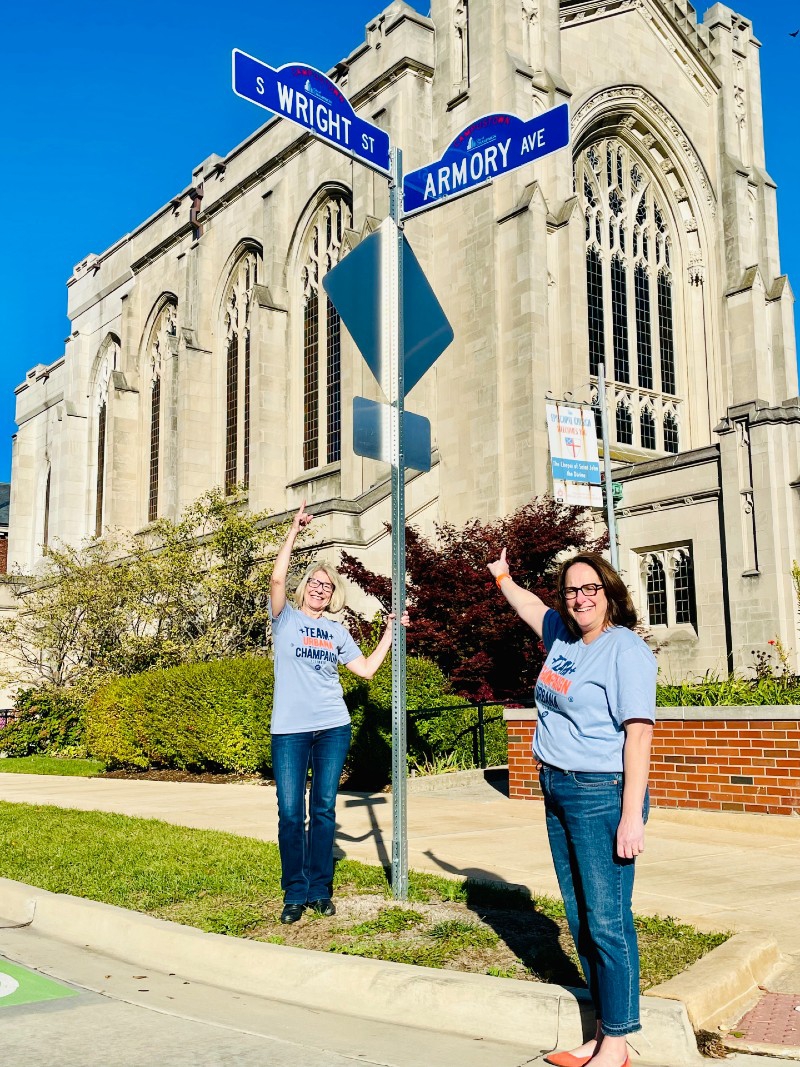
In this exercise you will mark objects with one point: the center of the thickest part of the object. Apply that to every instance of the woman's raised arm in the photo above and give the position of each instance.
(530, 608)
(277, 585)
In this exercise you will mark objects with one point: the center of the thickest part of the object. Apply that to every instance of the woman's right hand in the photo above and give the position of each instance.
(500, 566)
(301, 519)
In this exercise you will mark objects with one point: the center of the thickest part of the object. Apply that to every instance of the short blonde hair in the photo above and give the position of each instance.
(339, 594)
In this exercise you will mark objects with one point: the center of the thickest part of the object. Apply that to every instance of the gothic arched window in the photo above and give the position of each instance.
(238, 344)
(670, 433)
(624, 424)
(656, 593)
(46, 524)
(322, 400)
(163, 342)
(108, 359)
(629, 287)
(685, 610)
(101, 469)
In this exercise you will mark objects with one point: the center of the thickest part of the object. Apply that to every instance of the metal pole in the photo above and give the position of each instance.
(609, 485)
(481, 737)
(399, 763)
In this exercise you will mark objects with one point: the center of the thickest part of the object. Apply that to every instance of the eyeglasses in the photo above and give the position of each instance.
(570, 592)
(315, 583)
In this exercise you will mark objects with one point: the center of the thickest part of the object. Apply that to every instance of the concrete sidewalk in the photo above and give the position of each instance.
(734, 872)
(718, 871)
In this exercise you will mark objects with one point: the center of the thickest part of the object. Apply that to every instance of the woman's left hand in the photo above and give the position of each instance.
(404, 619)
(630, 837)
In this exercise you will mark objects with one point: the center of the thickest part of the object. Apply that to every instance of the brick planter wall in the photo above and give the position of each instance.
(718, 759)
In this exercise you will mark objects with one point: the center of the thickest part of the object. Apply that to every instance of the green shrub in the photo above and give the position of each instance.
(451, 733)
(216, 716)
(47, 721)
(201, 716)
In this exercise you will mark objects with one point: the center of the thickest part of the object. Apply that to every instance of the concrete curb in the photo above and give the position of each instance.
(500, 1009)
(723, 985)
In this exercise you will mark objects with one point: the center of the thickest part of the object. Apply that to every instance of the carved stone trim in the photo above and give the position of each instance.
(624, 96)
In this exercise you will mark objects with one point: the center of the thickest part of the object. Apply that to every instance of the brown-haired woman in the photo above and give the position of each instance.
(595, 699)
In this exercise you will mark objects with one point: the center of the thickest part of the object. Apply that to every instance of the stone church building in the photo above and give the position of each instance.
(203, 350)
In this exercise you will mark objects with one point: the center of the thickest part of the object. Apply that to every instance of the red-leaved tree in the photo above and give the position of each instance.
(459, 618)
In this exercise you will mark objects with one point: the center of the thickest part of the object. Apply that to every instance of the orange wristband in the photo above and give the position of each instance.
(500, 579)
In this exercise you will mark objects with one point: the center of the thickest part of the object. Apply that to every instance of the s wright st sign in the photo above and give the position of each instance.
(308, 97)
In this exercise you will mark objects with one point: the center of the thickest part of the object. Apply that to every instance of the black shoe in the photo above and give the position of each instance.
(292, 912)
(322, 907)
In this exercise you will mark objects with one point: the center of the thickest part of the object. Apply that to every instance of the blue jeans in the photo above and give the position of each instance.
(583, 810)
(307, 856)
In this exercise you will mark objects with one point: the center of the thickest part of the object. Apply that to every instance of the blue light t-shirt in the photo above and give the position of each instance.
(307, 652)
(585, 693)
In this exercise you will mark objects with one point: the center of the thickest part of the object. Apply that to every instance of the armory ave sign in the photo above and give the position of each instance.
(488, 147)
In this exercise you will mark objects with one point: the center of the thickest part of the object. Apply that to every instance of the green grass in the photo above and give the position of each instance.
(83, 768)
(231, 885)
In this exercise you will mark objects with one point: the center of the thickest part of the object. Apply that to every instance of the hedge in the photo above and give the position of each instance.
(216, 716)
(449, 734)
(200, 716)
(46, 721)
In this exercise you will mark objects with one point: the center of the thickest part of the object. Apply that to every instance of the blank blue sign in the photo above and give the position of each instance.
(372, 434)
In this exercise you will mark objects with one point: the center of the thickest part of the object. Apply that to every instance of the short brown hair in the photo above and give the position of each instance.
(620, 610)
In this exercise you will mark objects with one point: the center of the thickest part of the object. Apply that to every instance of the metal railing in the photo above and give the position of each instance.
(477, 729)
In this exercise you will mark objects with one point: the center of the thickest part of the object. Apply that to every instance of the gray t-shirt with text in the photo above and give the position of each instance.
(308, 694)
(585, 694)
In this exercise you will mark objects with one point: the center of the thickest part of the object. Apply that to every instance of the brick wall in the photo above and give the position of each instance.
(718, 759)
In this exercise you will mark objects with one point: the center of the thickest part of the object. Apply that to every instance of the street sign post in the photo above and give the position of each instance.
(489, 147)
(392, 314)
(387, 304)
(308, 97)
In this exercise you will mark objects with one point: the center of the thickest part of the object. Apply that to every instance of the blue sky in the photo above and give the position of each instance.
(108, 106)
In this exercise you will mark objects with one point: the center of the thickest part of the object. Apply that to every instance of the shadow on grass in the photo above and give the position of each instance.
(534, 929)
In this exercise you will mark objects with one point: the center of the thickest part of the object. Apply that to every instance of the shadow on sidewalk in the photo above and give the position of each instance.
(369, 801)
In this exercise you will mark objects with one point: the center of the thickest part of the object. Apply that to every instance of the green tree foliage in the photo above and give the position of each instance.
(459, 619)
(181, 592)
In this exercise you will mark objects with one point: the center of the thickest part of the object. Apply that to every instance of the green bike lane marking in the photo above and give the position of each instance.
(18, 985)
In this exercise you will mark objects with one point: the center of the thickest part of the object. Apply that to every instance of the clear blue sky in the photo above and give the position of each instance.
(108, 106)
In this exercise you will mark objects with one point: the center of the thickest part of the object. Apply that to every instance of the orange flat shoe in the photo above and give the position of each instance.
(566, 1059)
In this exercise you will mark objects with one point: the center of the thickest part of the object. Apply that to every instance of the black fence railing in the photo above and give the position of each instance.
(6, 716)
(477, 729)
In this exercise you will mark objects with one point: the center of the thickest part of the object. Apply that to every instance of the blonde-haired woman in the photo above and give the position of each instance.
(310, 721)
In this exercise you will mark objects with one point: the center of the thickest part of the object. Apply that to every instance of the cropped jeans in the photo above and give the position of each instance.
(307, 853)
(582, 811)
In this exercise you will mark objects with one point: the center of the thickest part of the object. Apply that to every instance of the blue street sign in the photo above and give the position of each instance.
(372, 434)
(308, 97)
(356, 288)
(488, 147)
